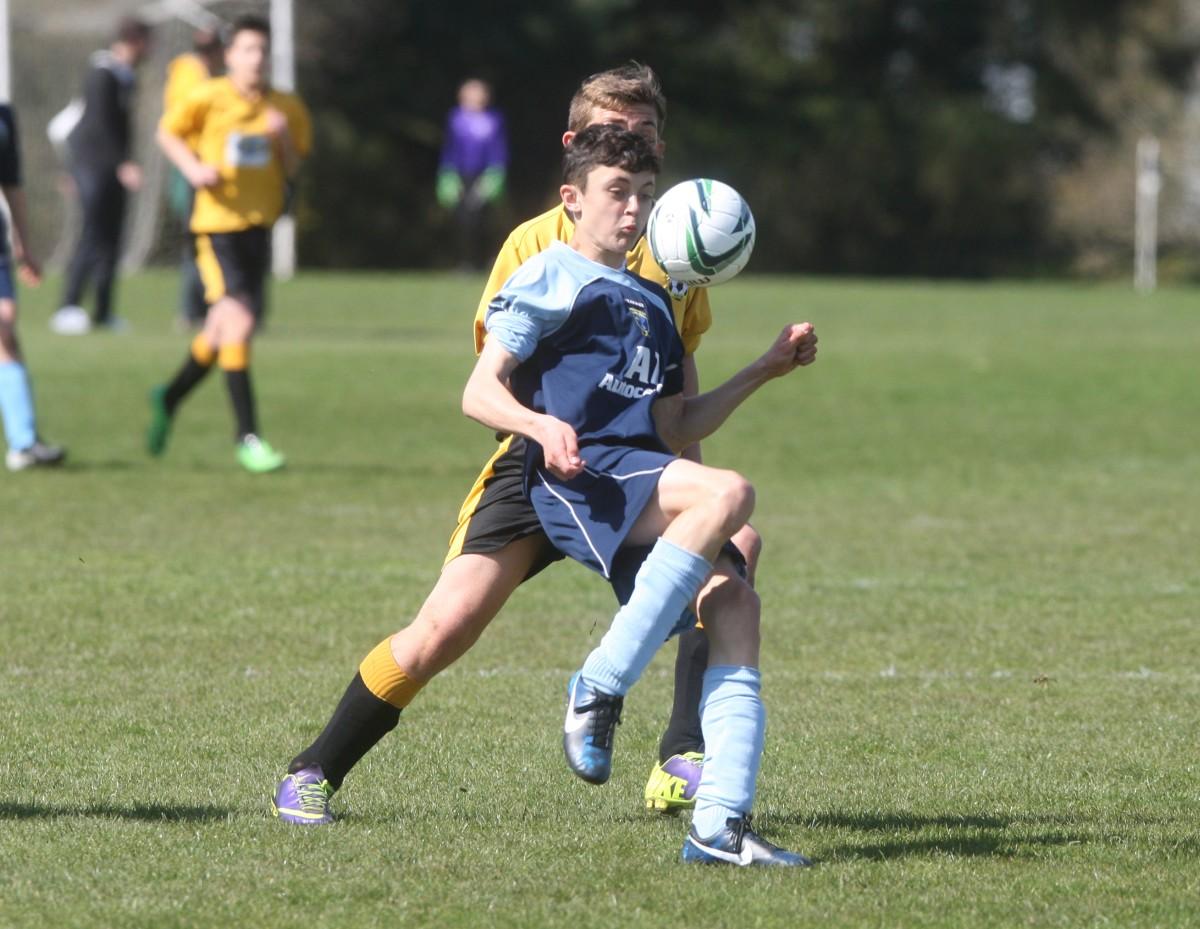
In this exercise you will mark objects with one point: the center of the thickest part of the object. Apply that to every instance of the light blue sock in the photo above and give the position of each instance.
(734, 721)
(16, 406)
(666, 582)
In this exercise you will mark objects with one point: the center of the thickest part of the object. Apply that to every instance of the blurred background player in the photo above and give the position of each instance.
(499, 543)
(238, 142)
(100, 161)
(472, 169)
(25, 448)
(185, 73)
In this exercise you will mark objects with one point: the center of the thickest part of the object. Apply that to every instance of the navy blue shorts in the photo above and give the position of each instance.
(588, 517)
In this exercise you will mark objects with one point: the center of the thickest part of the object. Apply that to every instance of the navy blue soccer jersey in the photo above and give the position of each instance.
(597, 346)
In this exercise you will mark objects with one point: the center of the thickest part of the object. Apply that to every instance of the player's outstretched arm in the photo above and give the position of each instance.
(488, 400)
(683, 421)
(176, 149)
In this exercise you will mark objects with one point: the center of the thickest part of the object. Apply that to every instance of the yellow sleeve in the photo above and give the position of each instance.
(185, 117)
(697, 319)
(184, 74)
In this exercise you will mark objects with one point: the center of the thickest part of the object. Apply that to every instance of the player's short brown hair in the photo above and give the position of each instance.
(249, 23)
(132, 30)
(617, 89)
(609, 147)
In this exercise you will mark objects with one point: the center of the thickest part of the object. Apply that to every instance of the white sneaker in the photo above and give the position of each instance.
(39, 454)
(71, 320)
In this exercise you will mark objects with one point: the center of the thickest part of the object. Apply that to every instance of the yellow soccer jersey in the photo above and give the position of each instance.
(227, 130)
(693, 317)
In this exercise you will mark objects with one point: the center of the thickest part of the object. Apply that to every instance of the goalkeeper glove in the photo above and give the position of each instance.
(490, 184)
(449, 188)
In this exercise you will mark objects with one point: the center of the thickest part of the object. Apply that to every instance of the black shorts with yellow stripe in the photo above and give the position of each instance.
(235, 264)
(497, 512)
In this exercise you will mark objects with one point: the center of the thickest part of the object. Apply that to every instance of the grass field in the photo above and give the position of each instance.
(982, 627)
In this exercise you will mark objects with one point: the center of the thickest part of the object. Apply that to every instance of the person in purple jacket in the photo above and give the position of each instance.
(472, 168)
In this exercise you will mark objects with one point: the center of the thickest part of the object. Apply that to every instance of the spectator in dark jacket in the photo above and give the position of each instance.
(100, 159)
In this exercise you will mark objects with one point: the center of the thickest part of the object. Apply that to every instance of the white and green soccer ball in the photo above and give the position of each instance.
(701, 232)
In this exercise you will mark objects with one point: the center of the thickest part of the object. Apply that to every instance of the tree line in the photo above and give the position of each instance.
(929, 137)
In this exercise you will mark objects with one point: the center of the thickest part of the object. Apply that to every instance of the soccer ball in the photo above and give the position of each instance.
(701, 232)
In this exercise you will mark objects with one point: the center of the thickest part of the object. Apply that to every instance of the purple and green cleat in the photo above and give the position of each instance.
(672, 784)
(302, 798)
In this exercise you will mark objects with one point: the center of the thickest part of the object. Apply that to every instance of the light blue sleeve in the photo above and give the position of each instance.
(533, 304)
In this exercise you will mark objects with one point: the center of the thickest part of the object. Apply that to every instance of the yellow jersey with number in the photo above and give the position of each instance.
(693, 317)
(228, 131)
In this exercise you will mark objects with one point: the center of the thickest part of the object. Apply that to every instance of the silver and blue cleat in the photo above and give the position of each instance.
(592, 718)
(738, 844)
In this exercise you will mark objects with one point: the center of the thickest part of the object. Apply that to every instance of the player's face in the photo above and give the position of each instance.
(613, 208)
(641, 118)
(247, 58)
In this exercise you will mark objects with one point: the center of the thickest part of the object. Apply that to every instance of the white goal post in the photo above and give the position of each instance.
(1148, 185)
(283, 77)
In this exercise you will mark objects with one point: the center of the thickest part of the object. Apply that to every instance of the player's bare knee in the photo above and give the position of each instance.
(439, 637)
(731, 608)
(736, 499)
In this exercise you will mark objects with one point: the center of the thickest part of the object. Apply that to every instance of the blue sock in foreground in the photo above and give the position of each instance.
(16, 406)
(734, 722)
(666, 582)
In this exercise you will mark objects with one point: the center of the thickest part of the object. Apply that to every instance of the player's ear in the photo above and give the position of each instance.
(570, 197)
(567, 137)
(660, 147)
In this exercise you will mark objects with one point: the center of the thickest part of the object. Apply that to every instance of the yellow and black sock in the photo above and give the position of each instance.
(369, 710)
(235, 362)
(199, 362)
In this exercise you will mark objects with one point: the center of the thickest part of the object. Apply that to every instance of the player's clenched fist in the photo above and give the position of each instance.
(796, 345)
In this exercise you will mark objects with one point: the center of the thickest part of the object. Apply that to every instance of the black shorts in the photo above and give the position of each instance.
(234, 264)
(497, 512)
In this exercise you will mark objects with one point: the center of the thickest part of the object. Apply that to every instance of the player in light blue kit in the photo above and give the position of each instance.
(583, 360)
(25, 447)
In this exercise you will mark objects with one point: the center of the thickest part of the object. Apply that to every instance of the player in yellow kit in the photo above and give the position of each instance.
(499, 542)
(185, 73)
(239, 143)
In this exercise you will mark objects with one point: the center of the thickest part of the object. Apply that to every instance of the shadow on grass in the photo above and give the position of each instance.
(838, 819)
(982, 846)
(977, 835)
(142, 812)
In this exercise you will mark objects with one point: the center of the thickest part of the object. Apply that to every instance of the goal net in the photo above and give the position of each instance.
(50, 44)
